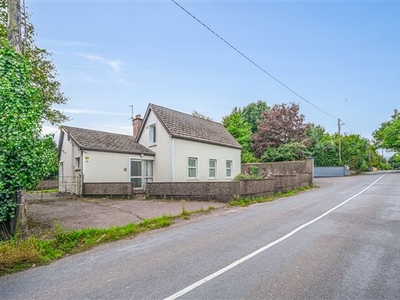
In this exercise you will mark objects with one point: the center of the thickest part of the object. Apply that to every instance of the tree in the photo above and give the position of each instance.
(253, 113)
(394, 161)
(323, 147)
(236, 124)
(282, 125)
(21, 150)
(43, 72)
(388, 135)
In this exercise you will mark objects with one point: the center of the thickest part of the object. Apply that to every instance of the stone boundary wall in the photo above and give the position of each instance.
(281, 177)
(280, 168)
(125, 189)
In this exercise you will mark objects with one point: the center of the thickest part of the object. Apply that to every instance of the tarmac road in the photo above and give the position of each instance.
(340, 241)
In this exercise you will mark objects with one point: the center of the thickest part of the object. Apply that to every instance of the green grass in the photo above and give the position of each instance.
(50, 245)
(44, 191)
(249, 201)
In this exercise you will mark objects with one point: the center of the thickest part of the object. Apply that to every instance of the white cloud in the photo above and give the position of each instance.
(115, 65)
(92, 112)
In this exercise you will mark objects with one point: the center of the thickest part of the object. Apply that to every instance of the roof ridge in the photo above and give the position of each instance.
(183, 113)
(94, 130)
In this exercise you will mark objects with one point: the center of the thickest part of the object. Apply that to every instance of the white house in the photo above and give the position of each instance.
(167, 146)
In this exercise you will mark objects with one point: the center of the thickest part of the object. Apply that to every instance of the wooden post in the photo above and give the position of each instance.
(22, 224)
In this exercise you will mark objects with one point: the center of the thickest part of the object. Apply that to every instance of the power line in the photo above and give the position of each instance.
(251, 61)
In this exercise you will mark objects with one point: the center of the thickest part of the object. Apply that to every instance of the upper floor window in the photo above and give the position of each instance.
(212, 168)
(152, 134)
(229, 168)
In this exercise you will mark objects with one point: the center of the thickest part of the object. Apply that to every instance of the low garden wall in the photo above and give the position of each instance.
(125, 189)
(281, 177)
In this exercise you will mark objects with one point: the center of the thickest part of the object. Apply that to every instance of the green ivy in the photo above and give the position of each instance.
(21, 149)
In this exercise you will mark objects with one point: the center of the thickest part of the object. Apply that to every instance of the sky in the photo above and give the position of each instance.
(342, 57)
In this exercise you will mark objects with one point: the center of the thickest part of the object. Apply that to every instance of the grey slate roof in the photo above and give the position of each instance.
(181, 125)
(89, 139)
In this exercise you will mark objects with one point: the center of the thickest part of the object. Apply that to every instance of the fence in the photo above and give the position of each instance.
(71, 184)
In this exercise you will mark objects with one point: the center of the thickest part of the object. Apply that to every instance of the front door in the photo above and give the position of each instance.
(141, 172)
(136, 173)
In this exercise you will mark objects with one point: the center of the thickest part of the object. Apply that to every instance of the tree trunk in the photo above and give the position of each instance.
(14, 24)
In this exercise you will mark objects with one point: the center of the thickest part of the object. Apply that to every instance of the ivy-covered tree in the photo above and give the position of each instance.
(283, 125)
(388, 135)
(22, 162)
(43, 72)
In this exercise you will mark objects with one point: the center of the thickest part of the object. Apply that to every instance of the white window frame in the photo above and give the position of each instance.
(144, 176)
(230, 168)
(215, 168)
(152, 134)
(196, 167)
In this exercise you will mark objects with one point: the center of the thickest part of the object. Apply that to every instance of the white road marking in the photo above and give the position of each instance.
(247, 257)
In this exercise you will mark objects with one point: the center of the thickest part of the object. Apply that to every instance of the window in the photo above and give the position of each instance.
(212, 168)
(148, 171)
(192, 167)
(141, 172)
(229, 165)
(77, 163)
(152, 134)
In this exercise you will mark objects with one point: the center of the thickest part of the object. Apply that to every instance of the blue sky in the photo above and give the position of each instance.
(343, 57)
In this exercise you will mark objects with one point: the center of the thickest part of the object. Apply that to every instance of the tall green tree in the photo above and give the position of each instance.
(387, 136)
(253, 113)
(43, 72)
(236, 124)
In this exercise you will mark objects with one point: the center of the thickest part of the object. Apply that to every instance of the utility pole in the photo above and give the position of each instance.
(340, 143)
(14, 24)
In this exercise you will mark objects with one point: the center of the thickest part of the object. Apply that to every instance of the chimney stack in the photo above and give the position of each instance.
(136, 123)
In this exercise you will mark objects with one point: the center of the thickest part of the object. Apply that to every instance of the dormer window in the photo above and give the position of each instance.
(152, 135)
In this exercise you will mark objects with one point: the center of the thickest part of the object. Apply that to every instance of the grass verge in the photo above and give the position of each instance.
(249, 201)
(47, 246)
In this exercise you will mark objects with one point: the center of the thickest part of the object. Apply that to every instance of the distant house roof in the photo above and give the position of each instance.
(184, 126)
(88, 139)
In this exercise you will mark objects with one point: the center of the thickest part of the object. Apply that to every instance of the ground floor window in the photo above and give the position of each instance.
(212, 169)
(192, 168)
(141, 172)
(229, 166)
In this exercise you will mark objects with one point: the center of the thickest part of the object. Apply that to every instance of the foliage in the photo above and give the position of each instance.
(388, 134)
(253, 114)
(21, 160)
(236, 124)
(245, 176)
(394, 161)
(281, 126)
(43, 73)
(323, 148)
(49, 156)
(286, 152)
